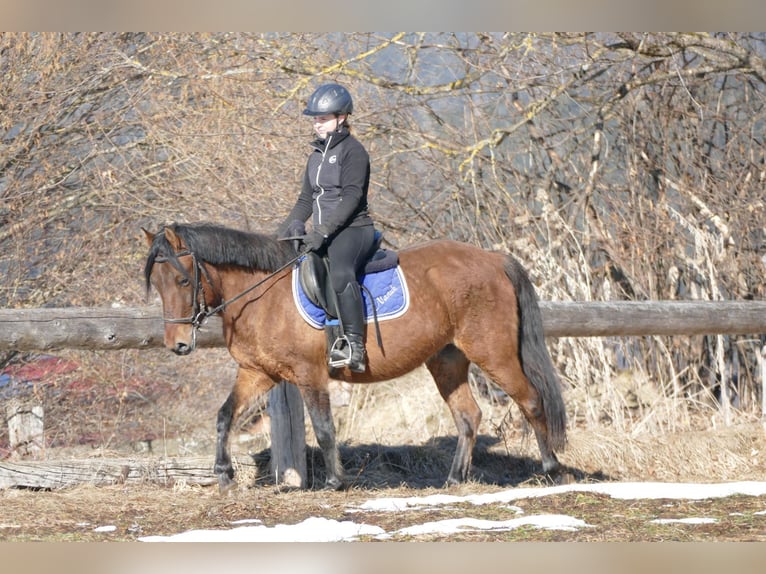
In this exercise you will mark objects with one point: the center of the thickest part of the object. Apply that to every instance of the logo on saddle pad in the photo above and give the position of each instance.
(385, 290)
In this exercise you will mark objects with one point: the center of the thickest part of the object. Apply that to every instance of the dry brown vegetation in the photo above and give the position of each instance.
(378, 471)
(398, 442)
(614, 166)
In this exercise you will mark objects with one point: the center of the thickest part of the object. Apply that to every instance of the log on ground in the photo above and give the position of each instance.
(55, 474)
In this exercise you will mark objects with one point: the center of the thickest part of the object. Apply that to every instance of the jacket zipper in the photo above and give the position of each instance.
(319, 170)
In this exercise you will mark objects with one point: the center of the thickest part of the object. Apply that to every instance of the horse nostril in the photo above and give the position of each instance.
(182, 349)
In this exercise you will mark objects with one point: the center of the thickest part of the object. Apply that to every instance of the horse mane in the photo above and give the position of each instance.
(220, 245)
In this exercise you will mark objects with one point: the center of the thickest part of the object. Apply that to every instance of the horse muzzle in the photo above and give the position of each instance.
(181, 341)
(181, 348)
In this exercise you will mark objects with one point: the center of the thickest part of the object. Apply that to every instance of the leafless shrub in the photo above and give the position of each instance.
(615, 166)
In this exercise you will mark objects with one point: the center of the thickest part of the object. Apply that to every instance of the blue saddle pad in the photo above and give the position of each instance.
(388, 289)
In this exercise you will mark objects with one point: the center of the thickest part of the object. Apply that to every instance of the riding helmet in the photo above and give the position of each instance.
(329, 99)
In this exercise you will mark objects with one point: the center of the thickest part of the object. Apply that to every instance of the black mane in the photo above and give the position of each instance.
(219, 245)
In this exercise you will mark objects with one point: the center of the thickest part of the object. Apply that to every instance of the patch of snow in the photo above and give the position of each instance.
(247, 521)
(620, 490)
(457, 525)
(684, 521)
(310, 530)
(325, 530)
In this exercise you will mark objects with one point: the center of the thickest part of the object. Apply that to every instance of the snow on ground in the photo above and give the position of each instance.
(310, 530)
(620, 490)
(324, 530)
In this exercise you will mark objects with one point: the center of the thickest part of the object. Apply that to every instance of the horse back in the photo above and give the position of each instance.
(453, 283)
(452, 263)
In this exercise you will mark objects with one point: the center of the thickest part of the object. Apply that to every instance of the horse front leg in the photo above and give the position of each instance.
(249, 386)
(318, 405)
(223, 468)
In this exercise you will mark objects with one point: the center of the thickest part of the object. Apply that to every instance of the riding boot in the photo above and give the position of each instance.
(351, 314)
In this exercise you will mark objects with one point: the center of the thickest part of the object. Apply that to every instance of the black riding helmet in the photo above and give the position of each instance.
(329, 99)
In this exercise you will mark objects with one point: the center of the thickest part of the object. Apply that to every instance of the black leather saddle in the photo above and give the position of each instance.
(314, 272)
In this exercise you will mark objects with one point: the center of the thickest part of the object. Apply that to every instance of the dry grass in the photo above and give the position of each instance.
(377, 471)
(126, 400)
(398, 440)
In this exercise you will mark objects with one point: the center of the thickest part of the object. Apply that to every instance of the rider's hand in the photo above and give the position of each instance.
(295, 228)
(314, 240)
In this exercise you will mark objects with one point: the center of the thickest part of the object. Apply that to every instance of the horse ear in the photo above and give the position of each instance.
(175, 241)
(149, 236)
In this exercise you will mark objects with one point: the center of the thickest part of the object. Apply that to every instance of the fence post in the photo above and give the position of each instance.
(288, 435)
(762, 361)
(25, 428)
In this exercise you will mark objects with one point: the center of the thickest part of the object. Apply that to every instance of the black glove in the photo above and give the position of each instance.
(294, 230)
(314, 240)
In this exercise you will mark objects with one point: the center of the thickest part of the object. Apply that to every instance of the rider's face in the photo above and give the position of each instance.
(325, 124)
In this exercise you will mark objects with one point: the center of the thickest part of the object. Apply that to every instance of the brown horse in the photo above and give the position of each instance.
(467, 304)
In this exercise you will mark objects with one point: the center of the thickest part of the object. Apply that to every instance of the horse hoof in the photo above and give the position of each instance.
(563, 477)
(225, 484)
(551, 467)
(560, 475)
(286, 489)
(334, 484)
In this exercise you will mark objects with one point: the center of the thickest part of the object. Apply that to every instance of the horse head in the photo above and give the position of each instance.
(184, 285)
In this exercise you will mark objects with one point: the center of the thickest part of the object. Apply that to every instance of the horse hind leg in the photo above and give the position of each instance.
(449, 368)
(533, 412)
(515, 383)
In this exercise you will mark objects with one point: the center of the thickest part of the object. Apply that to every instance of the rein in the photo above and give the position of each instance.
(200, 310)
(223, 305)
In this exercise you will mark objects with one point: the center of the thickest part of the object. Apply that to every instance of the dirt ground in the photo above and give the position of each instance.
(398, 442)
(135, 510)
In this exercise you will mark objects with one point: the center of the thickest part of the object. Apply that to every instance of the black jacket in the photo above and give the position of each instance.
(335, 183)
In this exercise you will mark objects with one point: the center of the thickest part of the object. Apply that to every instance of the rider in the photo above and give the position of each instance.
(334, 195)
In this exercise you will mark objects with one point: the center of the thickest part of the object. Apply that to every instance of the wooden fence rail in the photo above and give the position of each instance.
(141, 327)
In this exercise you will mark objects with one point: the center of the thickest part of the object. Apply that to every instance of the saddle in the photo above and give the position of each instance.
(313, 276)
(314, 272)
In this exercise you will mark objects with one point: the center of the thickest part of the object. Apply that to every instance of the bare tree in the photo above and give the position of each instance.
(616, 166)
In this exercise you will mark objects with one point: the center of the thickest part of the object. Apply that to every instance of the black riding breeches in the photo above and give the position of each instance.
(347, 254)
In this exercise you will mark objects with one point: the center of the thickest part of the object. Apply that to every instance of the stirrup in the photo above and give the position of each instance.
(338, 356)
(347, 357)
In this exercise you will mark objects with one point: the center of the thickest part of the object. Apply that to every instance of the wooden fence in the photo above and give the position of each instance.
(142, 328)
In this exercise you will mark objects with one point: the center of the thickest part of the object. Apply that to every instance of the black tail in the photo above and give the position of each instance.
(535, 360)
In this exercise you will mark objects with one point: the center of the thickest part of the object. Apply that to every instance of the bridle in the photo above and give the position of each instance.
(200, 309)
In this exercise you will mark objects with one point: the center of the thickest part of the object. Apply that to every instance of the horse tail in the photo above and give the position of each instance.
(535, 360)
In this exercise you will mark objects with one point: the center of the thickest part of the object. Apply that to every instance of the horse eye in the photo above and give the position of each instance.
(183, 282)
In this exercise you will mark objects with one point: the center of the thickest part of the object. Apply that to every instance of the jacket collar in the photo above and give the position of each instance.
(335, 138)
